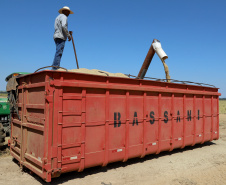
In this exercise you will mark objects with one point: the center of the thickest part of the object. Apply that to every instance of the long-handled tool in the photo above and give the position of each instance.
(70, 32)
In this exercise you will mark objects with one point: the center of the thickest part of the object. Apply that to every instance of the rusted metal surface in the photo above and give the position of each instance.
(72, 121)
(146, 63)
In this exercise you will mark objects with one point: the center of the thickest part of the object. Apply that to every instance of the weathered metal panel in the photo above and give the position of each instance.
(72, 121)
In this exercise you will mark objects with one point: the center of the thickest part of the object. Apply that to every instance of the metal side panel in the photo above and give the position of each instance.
(28, 134)
(72, 121)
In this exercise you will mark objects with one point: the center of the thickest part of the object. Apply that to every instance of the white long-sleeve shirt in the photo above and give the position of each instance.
(61, 30)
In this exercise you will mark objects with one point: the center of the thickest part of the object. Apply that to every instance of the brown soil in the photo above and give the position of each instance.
(201, 164)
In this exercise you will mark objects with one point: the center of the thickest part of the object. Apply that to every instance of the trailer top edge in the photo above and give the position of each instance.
(157, 81)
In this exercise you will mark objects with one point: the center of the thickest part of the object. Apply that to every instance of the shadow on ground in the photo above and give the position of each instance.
(95, 170)
(4, 151)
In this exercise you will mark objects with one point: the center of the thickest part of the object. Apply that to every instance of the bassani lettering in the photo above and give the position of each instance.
(117, 121)
(117, 117)
(135, 120)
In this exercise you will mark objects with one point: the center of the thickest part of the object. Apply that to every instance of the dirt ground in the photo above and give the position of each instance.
(201, 164)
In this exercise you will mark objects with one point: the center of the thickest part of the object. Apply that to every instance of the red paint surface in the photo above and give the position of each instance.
(72, 121)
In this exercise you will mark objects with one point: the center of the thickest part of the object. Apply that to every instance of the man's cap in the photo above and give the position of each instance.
(65, 8)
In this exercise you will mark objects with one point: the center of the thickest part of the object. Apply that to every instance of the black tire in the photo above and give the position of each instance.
(2, 136)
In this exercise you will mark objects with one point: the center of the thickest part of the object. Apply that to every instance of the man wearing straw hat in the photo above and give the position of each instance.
(61, 34)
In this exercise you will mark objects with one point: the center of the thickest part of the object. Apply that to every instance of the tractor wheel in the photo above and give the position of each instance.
(2, 136)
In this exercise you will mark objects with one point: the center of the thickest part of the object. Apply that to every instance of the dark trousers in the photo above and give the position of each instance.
(59, 52)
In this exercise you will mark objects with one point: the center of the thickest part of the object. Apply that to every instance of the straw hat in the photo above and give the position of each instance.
(65, 8)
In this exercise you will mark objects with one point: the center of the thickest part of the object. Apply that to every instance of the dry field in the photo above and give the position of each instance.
(201, 164)
(222, 106)
(3, 95)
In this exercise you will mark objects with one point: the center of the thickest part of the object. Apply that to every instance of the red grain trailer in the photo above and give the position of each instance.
(72, 121)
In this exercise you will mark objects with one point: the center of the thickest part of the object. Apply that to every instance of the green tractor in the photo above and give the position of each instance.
(8, 105)
(4, 120)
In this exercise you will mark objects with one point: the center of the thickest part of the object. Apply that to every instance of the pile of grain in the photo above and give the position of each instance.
(95, 72)
(166, 70)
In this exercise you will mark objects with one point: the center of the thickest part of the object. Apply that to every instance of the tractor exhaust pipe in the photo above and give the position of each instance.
(155, 48)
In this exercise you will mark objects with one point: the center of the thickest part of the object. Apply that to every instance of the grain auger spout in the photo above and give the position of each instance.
(155, 48)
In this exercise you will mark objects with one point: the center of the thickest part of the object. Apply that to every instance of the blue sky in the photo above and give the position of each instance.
(115, 36)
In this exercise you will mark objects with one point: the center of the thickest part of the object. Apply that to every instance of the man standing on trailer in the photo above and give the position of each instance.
(61, 34)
